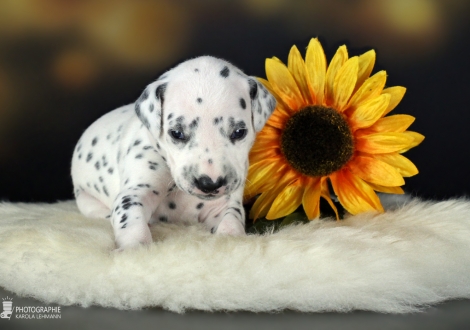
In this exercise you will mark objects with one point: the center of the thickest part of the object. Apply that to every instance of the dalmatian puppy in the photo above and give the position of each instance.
(179, 153)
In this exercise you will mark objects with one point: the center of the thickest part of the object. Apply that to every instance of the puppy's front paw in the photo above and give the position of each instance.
(230, 227)
(133, 236)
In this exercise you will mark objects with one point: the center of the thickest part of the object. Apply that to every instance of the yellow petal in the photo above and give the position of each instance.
(338, 60)
(278, 119)
(297, 68)
(287, 201)
(416, 137)
(255, 157)
(402, 164)
(315, 62)
(354, 194)
(383, 143)
(283, 84)
(311, 198)
(369, 112)
(388, 190)
(344, 83)
(371, 88)
(269, 133)
(263, 203)
(260, 147)
(372, 170)
(325, 193)
(396, 95)
(366, 64)
(260, 176)
(395, 123)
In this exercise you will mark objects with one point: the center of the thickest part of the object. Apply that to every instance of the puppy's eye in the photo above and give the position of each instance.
(177, 135)
(238, 134)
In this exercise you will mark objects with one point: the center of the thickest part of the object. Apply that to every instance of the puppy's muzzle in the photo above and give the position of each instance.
(206, 185)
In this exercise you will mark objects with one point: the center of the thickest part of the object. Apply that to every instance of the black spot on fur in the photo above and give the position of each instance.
(218, 120)
(139, 156)
(89, 157)
(194, 123)
(199, 100)
(210, 161)
(160, 92)
(153, 165)
(105, 190)
(97, 165)
(137, 142)
(170, 116)
(172, 205)
(144, 95)
(94, 141)
(151, 107)
(110, 170)
(105, 162)
(96, 188)
(200, 206)
(163, 218)
(236, 209)
(253, 88)
(155, 192)
(101, 179)
(225, 72)
(196, 70)
(213, 229)
(79, 156)
(242, 103)
(272, 104)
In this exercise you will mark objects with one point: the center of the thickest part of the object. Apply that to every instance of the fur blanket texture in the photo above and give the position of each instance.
(400, 261)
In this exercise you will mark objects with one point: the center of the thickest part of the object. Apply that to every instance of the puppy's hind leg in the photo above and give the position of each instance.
(91, 207)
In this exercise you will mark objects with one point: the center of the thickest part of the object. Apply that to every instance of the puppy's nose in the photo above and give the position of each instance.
(205, 184)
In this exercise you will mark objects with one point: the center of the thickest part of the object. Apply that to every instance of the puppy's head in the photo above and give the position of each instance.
(205, 114)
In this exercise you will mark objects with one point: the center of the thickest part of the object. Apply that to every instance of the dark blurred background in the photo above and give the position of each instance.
(64, 63)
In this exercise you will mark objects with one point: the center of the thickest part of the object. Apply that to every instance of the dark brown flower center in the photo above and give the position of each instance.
(317, 141)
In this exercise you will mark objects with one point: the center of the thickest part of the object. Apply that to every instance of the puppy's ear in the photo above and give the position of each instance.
(149, 107)
(262, 103)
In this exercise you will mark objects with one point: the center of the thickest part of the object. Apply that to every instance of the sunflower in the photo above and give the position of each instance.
(329, 130)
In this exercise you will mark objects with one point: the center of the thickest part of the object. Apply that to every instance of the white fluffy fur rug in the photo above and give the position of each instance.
(394, 262)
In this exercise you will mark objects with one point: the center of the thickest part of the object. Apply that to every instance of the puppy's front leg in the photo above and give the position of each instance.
(131, 213)
(233, 218)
